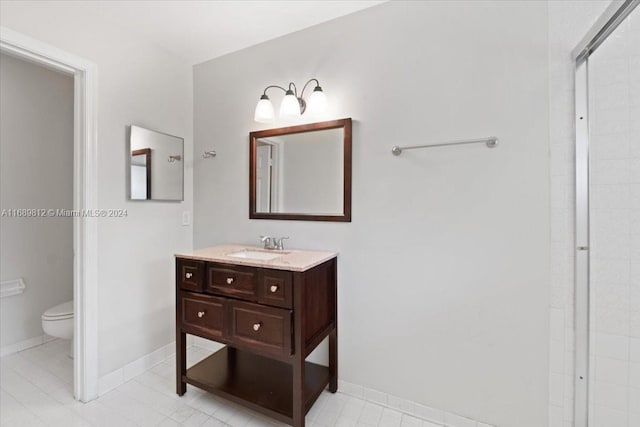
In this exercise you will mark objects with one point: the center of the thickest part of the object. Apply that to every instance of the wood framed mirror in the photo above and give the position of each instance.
(301, 172)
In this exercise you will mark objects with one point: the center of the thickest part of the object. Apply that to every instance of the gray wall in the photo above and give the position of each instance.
(444, 271)
(36, 171)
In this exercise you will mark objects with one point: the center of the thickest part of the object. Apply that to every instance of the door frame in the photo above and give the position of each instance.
(612, 17)
(276, 172)
(260, 174)
(85, 200)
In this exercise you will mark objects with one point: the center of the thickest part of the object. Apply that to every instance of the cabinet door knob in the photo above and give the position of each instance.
(189, 275)
(229, 280)
(201, 314)
(274, 288)
(256, 326)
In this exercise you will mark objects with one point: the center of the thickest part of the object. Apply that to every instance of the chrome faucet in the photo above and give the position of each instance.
(273, 243)
(280, 243)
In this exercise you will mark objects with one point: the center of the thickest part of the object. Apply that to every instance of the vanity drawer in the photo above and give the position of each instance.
(203, 313)
(190, 274)
(264, 328)
(274, 288)
(234, 281)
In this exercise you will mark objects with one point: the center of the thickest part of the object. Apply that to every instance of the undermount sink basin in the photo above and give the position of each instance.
(259, 255)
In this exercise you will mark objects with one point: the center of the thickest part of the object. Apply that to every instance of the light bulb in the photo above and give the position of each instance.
(290, 107)
(264, 110)
(317, 102)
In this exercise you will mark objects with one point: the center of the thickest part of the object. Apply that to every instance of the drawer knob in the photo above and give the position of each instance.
(256, 326)
(188, 275)
(201, 314)
(274, 288)
(229, 280)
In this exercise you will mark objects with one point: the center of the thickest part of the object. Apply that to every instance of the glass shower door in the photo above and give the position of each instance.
(614, 228)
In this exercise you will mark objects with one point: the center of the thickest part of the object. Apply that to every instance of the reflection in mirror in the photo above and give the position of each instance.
(157, 170)
(141, 174)
(302, 172)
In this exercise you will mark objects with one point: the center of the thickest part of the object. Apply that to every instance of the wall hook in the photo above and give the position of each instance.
(208, 154)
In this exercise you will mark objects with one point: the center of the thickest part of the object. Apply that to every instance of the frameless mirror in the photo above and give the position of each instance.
(301, 172)
(157, 165)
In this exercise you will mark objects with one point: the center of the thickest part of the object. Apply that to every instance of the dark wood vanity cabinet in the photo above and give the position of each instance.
(270, 321)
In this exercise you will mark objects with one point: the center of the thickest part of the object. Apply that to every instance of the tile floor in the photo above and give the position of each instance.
(36, 390)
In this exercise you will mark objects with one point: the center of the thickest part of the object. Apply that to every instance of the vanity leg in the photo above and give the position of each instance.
(333, 361)
(333, 335)
(298, 394)
(181, 362)
(299, 407)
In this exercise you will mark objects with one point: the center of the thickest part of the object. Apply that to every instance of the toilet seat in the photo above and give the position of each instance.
(59, 312)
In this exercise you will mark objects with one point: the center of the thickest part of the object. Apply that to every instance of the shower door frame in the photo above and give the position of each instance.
(612, 17)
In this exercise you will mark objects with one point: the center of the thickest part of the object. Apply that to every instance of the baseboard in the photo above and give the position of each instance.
(113, 379)
(131, 370)
(6, 350)
(435, 416)
(439, 417)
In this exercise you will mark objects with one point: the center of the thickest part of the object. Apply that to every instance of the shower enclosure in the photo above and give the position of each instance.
(607, 292)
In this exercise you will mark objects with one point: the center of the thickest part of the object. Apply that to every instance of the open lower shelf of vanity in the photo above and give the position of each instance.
(261, 383)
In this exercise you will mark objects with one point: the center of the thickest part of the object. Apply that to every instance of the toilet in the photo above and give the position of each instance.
(58, 322)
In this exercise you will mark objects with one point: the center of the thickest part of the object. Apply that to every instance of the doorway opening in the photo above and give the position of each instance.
(85, 180)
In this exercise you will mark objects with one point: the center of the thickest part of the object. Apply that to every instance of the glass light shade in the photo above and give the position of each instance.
(290, 107)
(264, 110)
(317, 102)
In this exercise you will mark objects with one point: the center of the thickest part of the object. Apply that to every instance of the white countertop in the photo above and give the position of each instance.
(291, 259)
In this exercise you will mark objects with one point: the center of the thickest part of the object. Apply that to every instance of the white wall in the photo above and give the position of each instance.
(138, 83)
(36, 171)
(444, 270)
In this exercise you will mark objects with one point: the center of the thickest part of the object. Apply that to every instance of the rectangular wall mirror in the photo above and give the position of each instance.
(301, 172)
(157, 165)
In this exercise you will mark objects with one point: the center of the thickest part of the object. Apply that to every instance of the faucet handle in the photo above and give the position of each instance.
(280, 243)
(268, 241)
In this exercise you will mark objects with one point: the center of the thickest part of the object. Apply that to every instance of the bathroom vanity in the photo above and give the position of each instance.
(271, 309)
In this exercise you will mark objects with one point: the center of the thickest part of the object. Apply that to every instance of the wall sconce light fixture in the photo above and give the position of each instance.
(292, 105)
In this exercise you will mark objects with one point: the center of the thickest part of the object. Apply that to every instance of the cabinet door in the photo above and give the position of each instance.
(264, 328)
